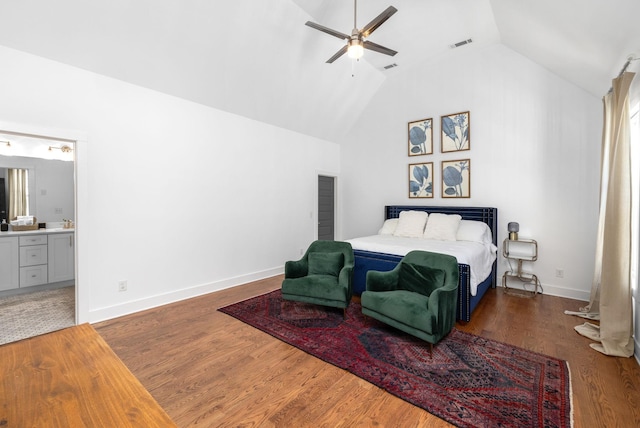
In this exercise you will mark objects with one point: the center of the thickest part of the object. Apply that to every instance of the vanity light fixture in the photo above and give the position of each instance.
(63, 149)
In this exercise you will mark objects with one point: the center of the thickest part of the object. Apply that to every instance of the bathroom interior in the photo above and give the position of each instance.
(37, 237)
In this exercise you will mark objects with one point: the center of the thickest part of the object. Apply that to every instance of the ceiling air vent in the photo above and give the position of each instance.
(462, 43)
(386, 67)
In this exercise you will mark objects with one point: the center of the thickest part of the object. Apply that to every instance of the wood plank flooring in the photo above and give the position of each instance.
(208, 369)
(71, 378)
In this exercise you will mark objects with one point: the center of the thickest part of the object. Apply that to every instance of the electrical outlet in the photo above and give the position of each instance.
(122, 285)
(559, 273)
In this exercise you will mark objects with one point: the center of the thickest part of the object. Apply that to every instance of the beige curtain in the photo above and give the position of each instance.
(611, 287)
(18, 204)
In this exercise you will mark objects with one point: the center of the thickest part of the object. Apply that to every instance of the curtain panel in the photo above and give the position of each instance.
(611, 293)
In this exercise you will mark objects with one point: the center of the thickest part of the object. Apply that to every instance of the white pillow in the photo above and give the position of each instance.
(411, 224)
(442, 227)
(388, 227)
(474, 231)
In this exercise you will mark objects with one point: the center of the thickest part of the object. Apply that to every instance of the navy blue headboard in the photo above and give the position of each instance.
(485, 214)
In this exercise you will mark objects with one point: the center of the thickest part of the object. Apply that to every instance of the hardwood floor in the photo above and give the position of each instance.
(71, 378)
(208, 369)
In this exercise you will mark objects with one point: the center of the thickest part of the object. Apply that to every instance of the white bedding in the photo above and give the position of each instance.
(479, 257)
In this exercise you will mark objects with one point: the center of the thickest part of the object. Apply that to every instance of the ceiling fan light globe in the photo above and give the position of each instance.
(355, 50)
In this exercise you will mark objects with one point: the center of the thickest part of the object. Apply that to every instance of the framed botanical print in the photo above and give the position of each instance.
(421, 180)
(455, 132)
(420, 137)
(456, 178)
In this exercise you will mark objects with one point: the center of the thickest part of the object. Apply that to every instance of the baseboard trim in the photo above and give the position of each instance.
(126, 308)
(569, 293)
(34, 288)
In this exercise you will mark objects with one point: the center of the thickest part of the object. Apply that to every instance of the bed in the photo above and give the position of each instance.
(382, 254)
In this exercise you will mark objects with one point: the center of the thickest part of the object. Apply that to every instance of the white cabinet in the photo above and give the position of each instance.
(61, 257)
(9, 264)
(28, 259)
(33, 260)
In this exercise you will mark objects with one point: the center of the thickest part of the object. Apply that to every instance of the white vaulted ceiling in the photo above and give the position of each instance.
(257, 59)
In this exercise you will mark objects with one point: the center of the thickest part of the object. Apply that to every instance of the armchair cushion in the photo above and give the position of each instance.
(420, 279)
(325, 263)
(404, 308)
(317, 287)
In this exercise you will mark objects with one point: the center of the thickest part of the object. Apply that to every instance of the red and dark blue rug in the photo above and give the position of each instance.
(469, 381)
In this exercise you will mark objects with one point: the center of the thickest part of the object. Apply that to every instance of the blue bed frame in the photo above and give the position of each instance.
(367, 260)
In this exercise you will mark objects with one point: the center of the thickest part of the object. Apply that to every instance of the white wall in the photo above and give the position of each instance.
(535, 147)
(174, 197)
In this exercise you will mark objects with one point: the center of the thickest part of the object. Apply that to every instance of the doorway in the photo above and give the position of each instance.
(326, 208)
(50, 283)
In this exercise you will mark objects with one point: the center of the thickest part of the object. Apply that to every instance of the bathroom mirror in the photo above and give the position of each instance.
(49, 176)
(6, 194)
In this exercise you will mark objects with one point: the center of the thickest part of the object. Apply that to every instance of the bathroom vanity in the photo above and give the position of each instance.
(36, 258)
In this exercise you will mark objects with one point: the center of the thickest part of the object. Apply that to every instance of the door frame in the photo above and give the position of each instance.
(79, 139)
(337, 224)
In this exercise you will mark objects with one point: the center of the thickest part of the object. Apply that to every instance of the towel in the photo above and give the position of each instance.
(22, 220)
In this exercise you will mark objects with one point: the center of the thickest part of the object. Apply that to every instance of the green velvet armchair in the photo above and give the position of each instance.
(419, 296)
(322, 276)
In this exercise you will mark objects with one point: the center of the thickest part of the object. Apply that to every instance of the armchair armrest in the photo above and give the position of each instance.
(345, 275)
(382, 281)
(345, 278)
(296, 268)
(442, 306)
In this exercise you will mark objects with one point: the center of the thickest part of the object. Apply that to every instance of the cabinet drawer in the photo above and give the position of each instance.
(33, 275)
(33, 255)
(33, 240)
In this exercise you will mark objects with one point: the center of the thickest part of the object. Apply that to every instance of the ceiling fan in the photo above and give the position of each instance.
(356, 42)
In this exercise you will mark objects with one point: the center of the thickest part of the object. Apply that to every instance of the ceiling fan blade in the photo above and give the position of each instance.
(381, 49)
(326, 30)
(338, 54)
(378, 21)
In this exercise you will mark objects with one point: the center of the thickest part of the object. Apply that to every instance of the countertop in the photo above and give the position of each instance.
(36, 232)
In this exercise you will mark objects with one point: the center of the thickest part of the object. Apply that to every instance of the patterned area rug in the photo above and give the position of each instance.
(469, 382)
(33, 314)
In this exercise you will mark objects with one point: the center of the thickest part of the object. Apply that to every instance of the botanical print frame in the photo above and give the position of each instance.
(455, 132)
(421, 180)
(456, 178)
(420, 138)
